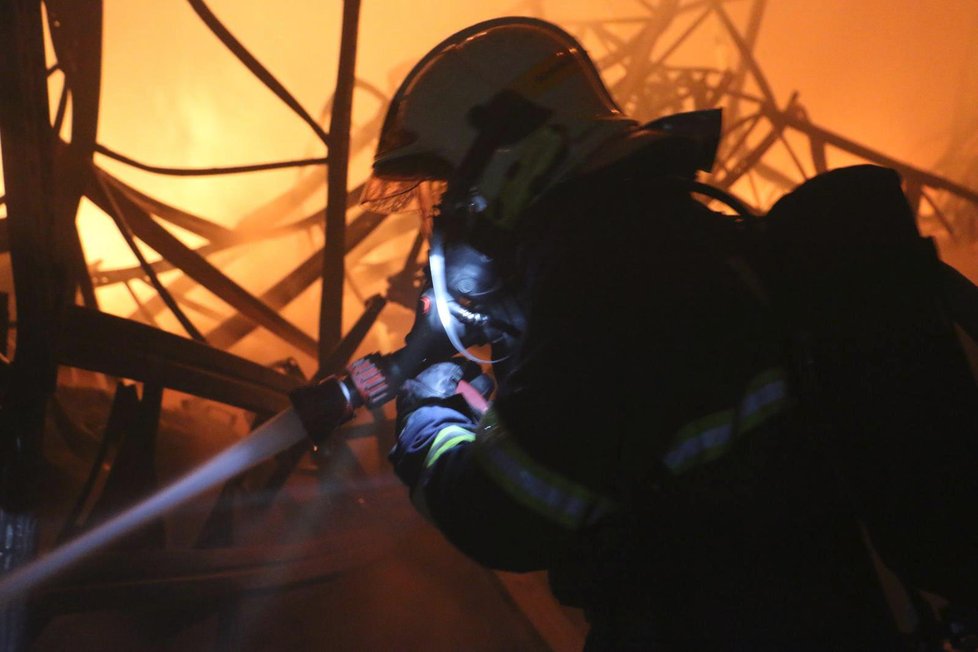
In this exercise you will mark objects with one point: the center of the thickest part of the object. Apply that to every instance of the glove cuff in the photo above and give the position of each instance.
(455, 402)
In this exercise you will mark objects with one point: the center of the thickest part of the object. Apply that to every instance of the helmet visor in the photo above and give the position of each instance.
(388, 195)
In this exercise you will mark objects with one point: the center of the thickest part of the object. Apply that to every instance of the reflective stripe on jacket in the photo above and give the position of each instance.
(532, 484)
(574, 505)
(709, 437)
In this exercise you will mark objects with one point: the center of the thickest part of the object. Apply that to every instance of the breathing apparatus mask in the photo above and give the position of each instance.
(466, 288)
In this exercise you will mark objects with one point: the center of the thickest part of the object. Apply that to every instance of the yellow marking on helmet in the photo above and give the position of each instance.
(537, 157)
(545, 74)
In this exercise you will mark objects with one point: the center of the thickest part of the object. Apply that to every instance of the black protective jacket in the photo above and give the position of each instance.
(643, 444)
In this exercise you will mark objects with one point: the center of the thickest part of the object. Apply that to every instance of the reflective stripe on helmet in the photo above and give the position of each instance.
(709, 437)
(447, 439)
(534, 486)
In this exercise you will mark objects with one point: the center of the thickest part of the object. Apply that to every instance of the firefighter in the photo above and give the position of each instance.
(638, 441)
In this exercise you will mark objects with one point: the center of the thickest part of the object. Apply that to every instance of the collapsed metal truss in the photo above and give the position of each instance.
(649, 85)
(634, 54)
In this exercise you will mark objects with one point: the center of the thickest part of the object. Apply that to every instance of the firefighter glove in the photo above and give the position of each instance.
(449, 384)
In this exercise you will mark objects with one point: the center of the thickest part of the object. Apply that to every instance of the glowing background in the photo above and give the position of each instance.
(897, 76)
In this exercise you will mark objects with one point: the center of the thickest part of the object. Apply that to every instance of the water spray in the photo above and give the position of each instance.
(277, 434)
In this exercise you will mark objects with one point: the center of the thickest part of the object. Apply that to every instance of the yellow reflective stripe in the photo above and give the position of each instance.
(709, 437)
(766, 396)
(446, 439)
(717, 421)
(531, 484)
(537, 156)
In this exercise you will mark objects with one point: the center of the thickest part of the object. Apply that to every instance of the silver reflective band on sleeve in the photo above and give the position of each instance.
(531, 484)
(447, 438)
(709, 437)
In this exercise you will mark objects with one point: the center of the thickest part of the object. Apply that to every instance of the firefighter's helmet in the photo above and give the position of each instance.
(496, 113)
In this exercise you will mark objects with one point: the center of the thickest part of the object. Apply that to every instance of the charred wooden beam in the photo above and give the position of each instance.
(740, 76)
(194, 265)
(188, 221)
(76, 33)
(118, 215)
(752, 157)
(640, 50)
(246, 232)
(91, 340)
(38, 267)
(123, 410)
(132, 476)
(40, 282)
(220, 238)
(907, 171)
(331, 304)
(211, 171)
(295, 282)
(236, 327)
(39, 270)
(256, 68)
(341, 355)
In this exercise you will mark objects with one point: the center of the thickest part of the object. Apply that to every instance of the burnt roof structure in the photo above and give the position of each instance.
(104, 437)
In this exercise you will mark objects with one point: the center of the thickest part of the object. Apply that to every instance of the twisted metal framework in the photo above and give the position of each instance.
(635, 55)
(759, 135)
